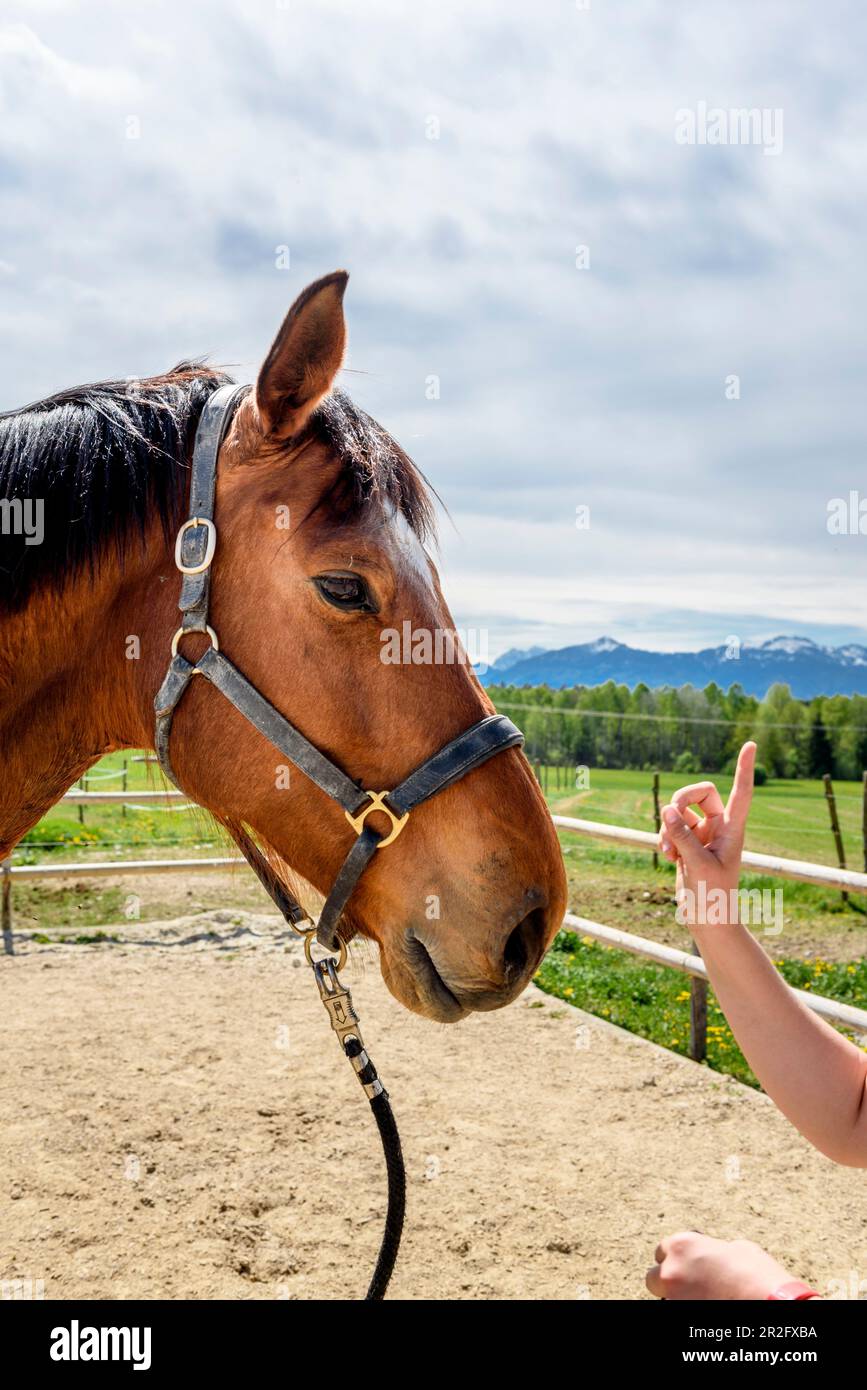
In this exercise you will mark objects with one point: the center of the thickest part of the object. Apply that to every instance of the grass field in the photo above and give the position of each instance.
(821, 946)
(788, 818)
(107, 832)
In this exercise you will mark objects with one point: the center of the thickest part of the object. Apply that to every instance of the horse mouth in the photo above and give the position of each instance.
(435, 999)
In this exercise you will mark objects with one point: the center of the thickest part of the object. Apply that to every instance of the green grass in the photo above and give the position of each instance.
(109, 831)
(788, 818)
(653, 1001)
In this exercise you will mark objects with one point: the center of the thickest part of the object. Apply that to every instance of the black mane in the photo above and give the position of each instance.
(106, 458)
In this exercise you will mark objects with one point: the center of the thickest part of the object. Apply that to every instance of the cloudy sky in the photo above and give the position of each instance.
(454, 157)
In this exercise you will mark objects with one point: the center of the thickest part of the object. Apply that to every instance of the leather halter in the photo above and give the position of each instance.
(194, 552)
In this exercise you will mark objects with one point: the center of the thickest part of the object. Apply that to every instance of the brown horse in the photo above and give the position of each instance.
(322, 520)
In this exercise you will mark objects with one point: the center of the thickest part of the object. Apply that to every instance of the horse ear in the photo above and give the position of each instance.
(305, 357)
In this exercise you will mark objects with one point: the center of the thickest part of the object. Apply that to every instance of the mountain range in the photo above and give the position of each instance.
(806, 667)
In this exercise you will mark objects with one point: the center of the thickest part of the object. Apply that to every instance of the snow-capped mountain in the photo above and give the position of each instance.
(806, 667)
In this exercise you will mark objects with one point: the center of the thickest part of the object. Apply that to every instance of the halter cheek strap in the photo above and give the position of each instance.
(194, 551)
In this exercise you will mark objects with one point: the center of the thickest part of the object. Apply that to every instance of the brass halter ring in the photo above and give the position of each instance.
(378, 804)
(310, 937)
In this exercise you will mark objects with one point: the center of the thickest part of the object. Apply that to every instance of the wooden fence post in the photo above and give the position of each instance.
(656, 819)
(6, 908)
(835, 827)
(697, 1015)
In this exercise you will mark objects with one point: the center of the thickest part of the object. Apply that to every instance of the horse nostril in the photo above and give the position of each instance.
(525, 945)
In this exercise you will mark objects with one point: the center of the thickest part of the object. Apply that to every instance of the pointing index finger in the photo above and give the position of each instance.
(742, 788)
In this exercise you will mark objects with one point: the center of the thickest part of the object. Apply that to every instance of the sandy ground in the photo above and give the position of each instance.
(176, 1121)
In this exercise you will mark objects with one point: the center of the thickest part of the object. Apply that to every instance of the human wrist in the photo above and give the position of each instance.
(704, 905)
(761, 1277)
(724, 930)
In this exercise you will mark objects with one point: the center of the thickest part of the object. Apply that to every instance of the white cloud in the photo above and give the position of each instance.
(263, 125)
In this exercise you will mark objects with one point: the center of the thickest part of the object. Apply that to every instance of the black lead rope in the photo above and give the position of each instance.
(344, 1021)
(394, 1166)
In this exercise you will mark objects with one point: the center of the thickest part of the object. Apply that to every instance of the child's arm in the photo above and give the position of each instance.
(816, 1077)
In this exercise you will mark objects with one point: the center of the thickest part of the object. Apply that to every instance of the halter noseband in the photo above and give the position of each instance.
(194, 551)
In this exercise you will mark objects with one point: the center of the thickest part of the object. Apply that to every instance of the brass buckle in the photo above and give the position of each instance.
(378, 804)
(211, 546)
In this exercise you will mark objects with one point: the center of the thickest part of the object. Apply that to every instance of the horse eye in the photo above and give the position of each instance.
(345, 591)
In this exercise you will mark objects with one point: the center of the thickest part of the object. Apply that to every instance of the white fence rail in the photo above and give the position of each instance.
(77, 798)
(109, 868)
(771, 864)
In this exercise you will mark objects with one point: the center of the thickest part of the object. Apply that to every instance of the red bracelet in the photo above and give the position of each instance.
(795, 1291)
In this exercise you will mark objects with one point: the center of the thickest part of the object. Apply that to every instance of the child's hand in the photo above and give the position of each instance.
(708, 848)
(693, 1266)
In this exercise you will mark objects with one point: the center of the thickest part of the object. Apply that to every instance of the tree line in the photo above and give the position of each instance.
(689, 730)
